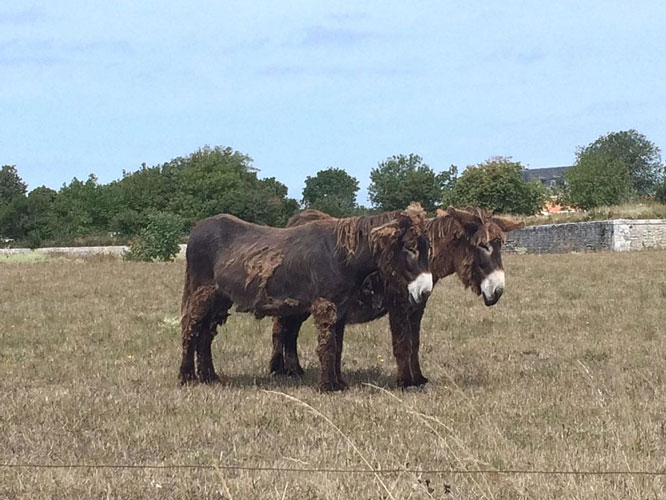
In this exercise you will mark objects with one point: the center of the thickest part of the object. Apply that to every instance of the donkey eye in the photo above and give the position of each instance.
(486, 248)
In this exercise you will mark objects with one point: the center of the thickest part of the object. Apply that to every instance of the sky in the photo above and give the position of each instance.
(102, 87)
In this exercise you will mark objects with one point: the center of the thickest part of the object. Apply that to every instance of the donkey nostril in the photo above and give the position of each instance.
(425, 294)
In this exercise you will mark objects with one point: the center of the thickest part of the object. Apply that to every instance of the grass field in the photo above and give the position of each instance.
(566, 372)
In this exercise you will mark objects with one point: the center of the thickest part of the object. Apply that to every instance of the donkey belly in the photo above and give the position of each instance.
(364, 315)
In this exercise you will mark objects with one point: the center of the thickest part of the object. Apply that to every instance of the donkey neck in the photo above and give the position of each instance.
(362, 260)
(448, 257)
(352, 240)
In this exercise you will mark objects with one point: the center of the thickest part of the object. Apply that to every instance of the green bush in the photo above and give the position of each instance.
(402, 179)
(660, 196)
(497, 185)
(159, 240)
(598, 180)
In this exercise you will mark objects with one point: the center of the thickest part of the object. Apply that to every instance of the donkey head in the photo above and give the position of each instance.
(402, 250)
(477, 251)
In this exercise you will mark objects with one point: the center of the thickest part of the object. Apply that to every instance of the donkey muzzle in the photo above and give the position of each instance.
(492, 287)
(421, 288)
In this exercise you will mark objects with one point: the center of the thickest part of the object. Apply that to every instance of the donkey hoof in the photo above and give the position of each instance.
(294, 371)
(412, 385)
(209, 378)
(332, 386)
(278, 371)
(187, 378)
(276, 367)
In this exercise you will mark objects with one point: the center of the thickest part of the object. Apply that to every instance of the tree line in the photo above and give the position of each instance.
(618, 167)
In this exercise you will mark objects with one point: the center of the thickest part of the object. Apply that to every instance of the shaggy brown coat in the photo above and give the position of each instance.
(460, 241)
(314, 268)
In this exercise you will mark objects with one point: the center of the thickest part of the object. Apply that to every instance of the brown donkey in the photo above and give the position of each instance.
(292, 272)
(465, 242)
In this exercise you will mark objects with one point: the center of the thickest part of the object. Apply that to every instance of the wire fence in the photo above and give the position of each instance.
(304, 470)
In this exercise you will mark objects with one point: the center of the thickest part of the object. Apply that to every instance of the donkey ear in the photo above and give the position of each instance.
(380, 236)
(470, 222)
(507, 225)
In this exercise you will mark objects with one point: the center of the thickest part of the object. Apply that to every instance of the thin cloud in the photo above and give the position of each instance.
(24, 16)
(51, 52)
(287, 71)
(96, 46)
(524, 57)
(248, 46)
(319, 36)
(29, 60)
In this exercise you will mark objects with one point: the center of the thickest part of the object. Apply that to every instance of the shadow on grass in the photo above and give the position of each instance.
(355, 378)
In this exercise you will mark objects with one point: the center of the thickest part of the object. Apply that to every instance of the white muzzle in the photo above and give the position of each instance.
(492, 286)
(420, 288)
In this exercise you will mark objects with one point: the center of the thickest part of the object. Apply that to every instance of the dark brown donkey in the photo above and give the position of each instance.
(314, 268)
(465, 242)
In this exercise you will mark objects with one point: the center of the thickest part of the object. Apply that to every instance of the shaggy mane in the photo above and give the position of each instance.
(445, 228)
(350, 232)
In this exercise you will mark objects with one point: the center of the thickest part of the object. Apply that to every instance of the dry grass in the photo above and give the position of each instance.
(567, 372)
(646, 210)
(18, 258)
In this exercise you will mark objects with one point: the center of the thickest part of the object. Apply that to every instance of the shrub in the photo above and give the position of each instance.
(159, 240)
(597, 180)
(399, 180)
(497, 185)
(660, 196)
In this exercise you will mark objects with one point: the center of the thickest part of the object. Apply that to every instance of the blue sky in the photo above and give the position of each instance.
(101, 87)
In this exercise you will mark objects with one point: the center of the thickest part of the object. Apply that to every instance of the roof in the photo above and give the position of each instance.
(545, 175)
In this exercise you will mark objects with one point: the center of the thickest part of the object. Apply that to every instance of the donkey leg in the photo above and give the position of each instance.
(325, 316)
(205, 369)
(190, 340)
(339, 337)
(414, 319)
(276, 364)
(402, 346)
(217, 314)
(195, 306)
(291, 363)
(284, 360)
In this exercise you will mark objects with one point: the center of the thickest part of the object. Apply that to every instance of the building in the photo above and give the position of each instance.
(549, 176)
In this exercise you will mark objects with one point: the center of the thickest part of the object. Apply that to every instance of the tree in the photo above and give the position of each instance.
(207, 182)
(660, 195)
(11, 185)
(640, 157)
(399, 180)
(332, 191)
(497, 185)
(29, 216)
(449, 178)
(204, 183)
(82, 208)
(597, 180)
(221, 180)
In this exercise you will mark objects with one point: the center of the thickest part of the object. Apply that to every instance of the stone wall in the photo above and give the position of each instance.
(638, 234)
(75, 251)
(616, 235)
